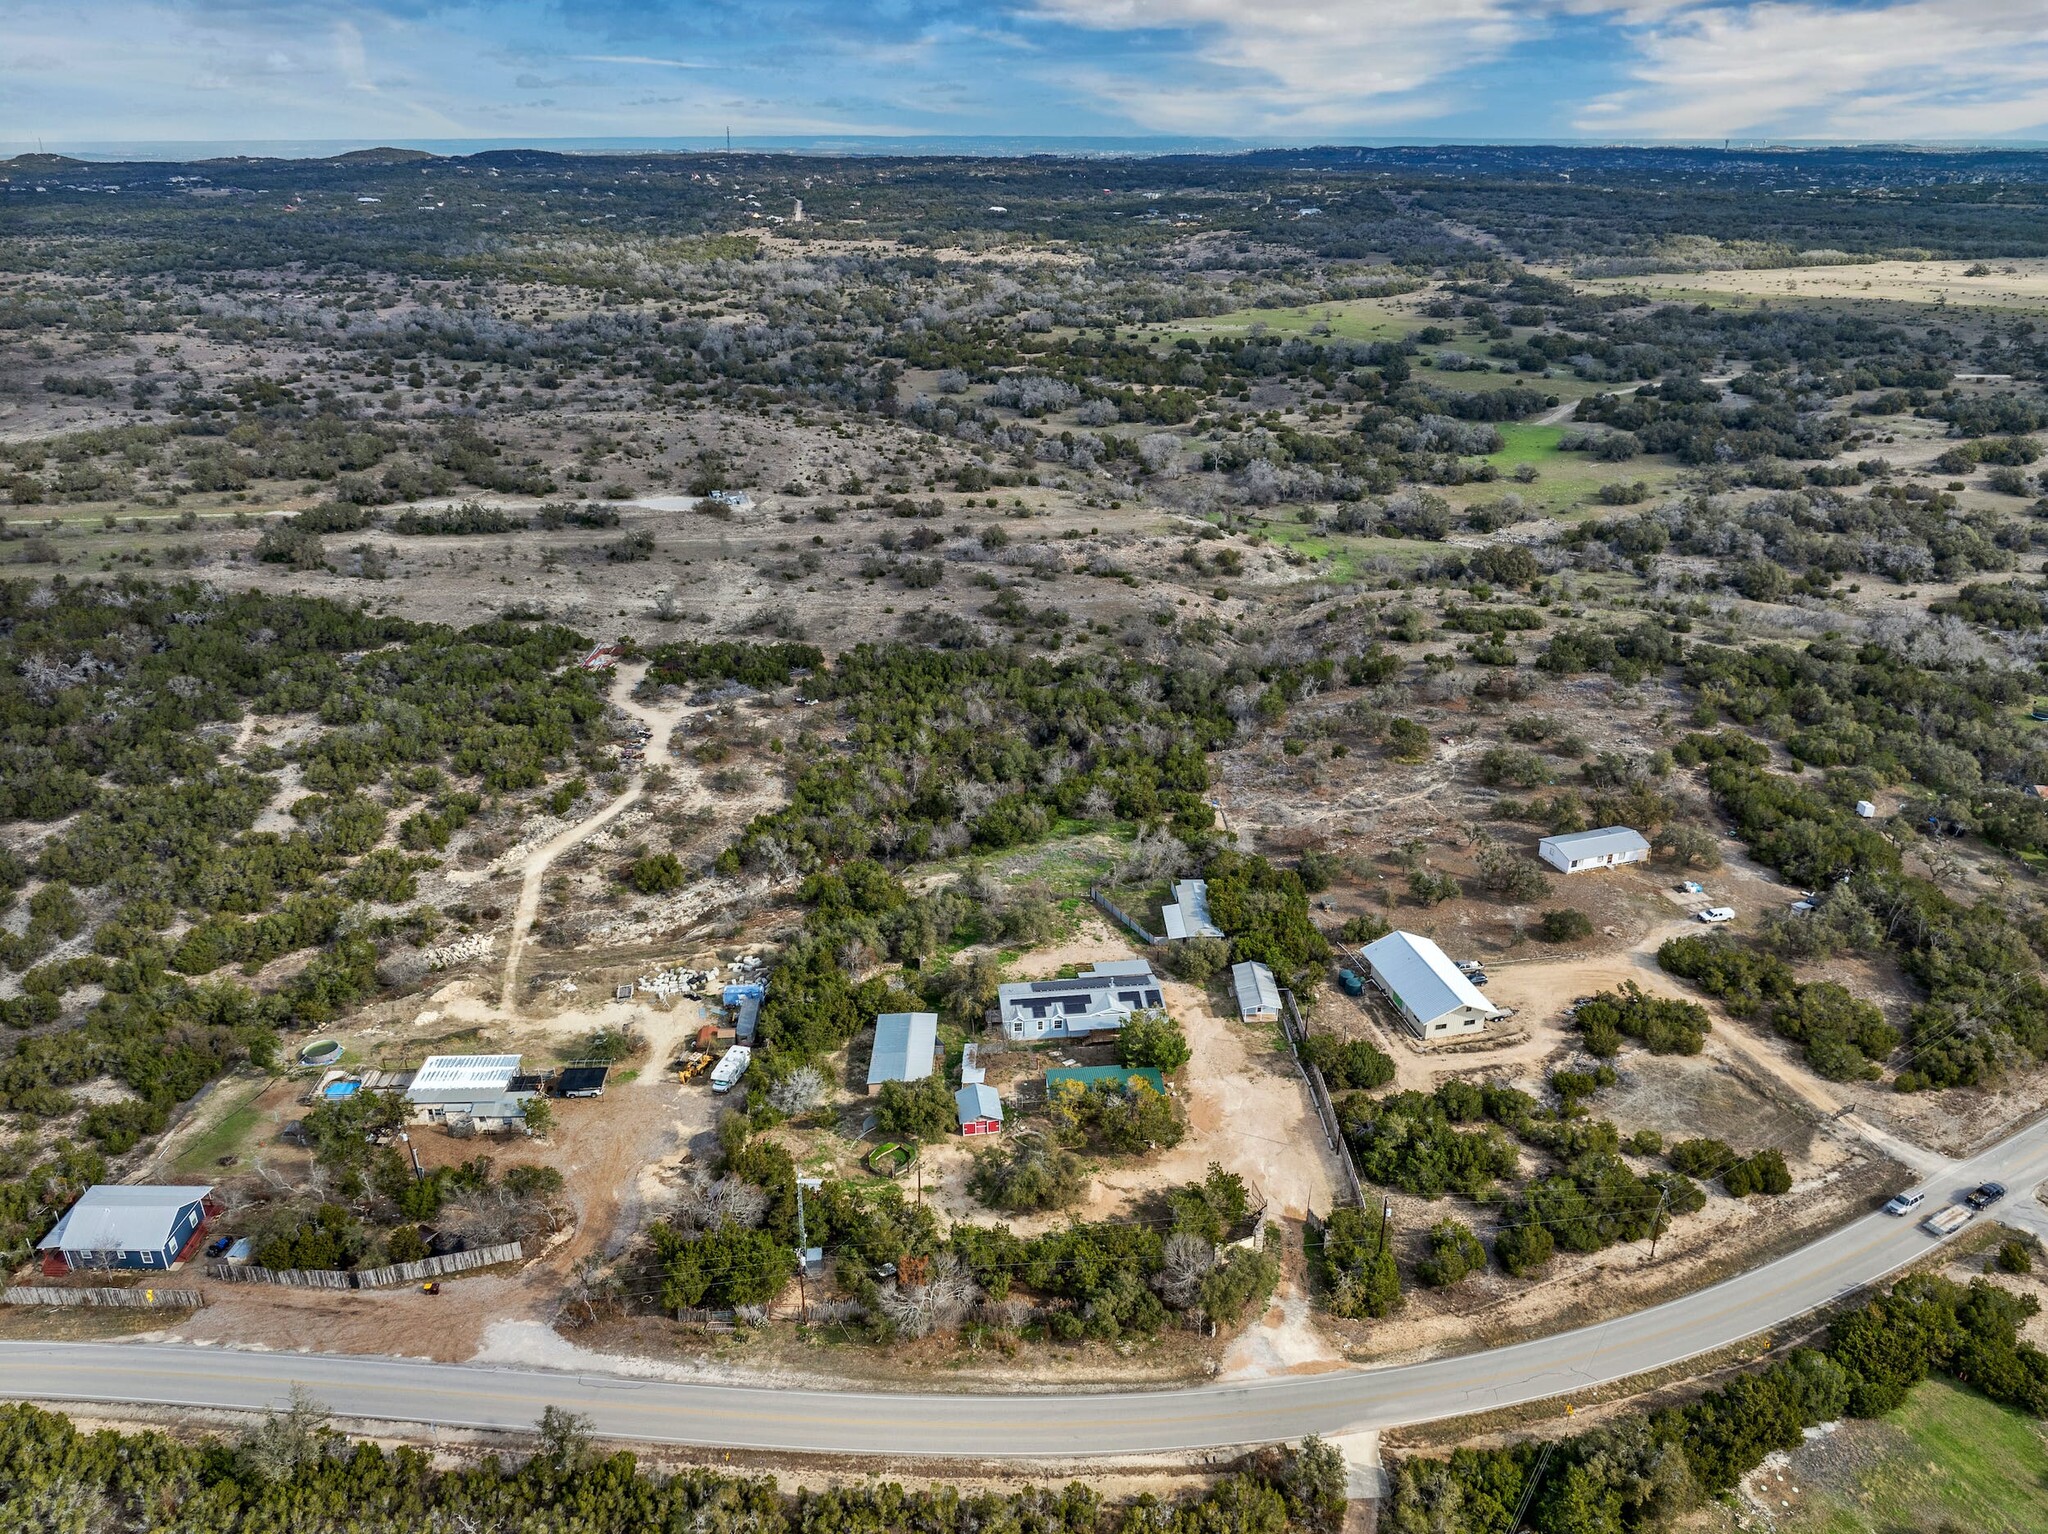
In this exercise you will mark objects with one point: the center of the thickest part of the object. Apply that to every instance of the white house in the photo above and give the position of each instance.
(1258, 994)
(1582, 851)
(483, 1089)
(1433, 998)
(1099, 1000)
(1188, 916)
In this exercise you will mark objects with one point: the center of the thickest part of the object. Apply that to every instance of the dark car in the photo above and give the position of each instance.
(1986, 1195)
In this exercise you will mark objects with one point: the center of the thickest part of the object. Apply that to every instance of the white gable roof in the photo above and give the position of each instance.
(904, 1042)
(1257, 991)
(109, 1217)
(1604, 842)
(1429, 984)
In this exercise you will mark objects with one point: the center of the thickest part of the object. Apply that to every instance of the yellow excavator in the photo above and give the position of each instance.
(692, 1065)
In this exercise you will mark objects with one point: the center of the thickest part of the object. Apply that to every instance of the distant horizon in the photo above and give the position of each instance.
(993, 146)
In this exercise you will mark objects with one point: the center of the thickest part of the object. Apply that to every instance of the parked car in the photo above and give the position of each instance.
(1905, 1203)
(1715, 914)
(1469, 966)
(1985, 1195)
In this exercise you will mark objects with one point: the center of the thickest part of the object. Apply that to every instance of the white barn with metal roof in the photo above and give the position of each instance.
(1434, 1000)
(1583, 851)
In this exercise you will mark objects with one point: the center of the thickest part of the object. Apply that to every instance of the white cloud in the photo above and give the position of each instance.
(1914, 69)
(1294, 64)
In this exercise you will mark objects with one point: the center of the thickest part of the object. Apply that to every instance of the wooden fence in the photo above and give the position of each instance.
(128, 1299)
(1106, 904)
(1319, 1094)
(371, 1278)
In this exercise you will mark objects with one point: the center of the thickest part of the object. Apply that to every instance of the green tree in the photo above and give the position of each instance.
(1152, 1039)
(915, 1110)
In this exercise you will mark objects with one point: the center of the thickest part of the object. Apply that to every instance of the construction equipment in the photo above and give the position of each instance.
(691, 1066)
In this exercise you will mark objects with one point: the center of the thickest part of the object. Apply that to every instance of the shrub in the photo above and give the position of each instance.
(1701, 1158)
(1352, 1064)
(1663, 1026)
(1564, 926)
(1407, 741)
(2014, 1257)
(1523, 1247)
(1764, 1172)
(1454, 1253)
(658, 873)
(1360, 930)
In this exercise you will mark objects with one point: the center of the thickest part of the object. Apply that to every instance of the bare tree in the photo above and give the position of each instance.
(798, 1092)
(940, 1301)
(1187, 1260)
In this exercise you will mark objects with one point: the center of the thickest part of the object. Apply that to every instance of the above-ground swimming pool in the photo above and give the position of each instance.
(341, 1089)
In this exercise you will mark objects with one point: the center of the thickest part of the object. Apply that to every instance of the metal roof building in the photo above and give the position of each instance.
(1258, 993)
(1189, 915)
(979, 1109)
(1581, 851)
(483, 1088)
(1425, 987)
(905, 1043)
(115, 1226)
(1097, 1000)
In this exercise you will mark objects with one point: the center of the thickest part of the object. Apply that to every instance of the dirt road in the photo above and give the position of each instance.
(533, 876)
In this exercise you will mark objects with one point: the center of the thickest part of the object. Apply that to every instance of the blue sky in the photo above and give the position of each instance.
(74, 72)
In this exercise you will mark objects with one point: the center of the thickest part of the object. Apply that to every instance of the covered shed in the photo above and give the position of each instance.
(1433, 998)
(1583, 851)
(979, 1109)
(1188, 916)
(906, 1045)
(1258, 993)
(117, 1226)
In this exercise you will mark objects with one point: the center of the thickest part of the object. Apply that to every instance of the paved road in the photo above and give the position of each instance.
(1029, 1426)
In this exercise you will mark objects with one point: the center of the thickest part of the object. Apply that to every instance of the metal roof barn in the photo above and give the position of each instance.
(905, 1043)
(1425, 987)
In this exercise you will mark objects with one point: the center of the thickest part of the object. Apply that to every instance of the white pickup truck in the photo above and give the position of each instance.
(1715, 914)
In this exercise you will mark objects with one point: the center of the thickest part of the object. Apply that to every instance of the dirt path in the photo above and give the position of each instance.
(534, 874)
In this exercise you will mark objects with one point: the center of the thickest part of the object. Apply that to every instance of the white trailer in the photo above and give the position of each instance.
(731, 1066)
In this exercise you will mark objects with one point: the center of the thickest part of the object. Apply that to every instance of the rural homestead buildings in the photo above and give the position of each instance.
(1188, 916)
(979, 1109)
(1434, 1000)
(1582, 851)
(487, 1091)
(906, 1046)
(1258, 994)
(1098, 1000)
(126, 1227)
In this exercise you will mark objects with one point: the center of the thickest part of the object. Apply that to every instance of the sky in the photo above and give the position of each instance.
(77, 73)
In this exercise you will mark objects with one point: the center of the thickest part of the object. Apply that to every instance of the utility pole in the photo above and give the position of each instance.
(1657, 1225)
